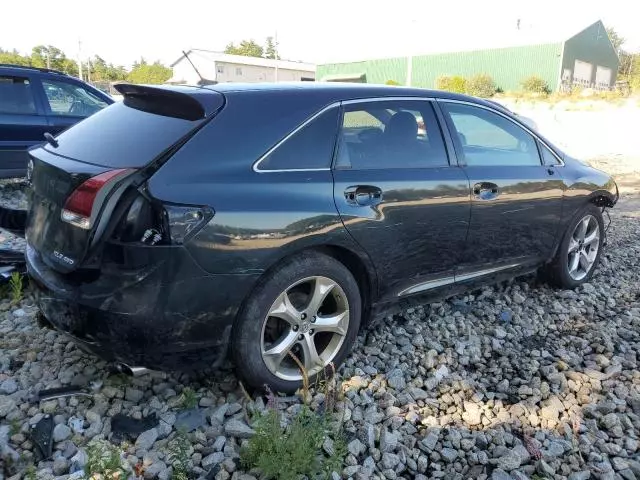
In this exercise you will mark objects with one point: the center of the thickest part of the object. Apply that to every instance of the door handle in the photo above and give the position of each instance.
(363, 195)
(486, 191)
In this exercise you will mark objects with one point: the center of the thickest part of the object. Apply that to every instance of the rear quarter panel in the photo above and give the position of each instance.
(260, 217)
(584, 184)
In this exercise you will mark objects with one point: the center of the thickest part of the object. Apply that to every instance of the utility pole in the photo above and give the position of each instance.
(409, 69)
(48, 59)
(277, 59)
(80, 59)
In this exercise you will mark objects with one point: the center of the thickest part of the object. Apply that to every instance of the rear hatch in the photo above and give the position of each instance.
(81, 179)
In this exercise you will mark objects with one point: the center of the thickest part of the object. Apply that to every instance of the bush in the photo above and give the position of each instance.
(294, 451)
(454, 84)
(481, 86)
(391, 82)
(534, 84)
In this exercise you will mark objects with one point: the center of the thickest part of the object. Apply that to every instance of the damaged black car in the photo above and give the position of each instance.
(271, 222)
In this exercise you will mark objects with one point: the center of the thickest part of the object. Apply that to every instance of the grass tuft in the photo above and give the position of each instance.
(294, 451)
(188, 399)
(16, 287)
(178, 456)
(104, 461)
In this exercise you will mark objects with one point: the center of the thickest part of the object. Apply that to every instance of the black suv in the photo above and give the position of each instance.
(34, 101)
(277, 219)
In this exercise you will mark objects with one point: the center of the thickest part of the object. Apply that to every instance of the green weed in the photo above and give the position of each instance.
(30, 473)
(16, 288)
(188, 398)
(178, 456)
(14, 427)
(294, 451)
(104, 459)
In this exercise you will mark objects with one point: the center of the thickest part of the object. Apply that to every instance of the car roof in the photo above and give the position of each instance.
(342, 91)
(10, 69)
(339, 89)
(4, 67)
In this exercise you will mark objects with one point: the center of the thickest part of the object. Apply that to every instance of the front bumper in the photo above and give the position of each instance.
(162, 313)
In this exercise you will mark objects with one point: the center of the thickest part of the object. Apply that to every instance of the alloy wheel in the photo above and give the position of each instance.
(309, 320)
(583, 248)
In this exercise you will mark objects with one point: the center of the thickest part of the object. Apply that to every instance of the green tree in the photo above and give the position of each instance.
(270, 49)
(615, 38)
(247, 48)
(105, 72)
(14, 57)
(48, 56)
(149, 73)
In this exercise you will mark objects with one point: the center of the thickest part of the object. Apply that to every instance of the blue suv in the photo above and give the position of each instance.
(34, 101)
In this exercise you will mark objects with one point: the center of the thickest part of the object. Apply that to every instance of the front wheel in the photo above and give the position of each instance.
(306, 313)
(580, 250)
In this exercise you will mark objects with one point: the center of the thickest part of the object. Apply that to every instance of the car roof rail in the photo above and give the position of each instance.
(29, 67)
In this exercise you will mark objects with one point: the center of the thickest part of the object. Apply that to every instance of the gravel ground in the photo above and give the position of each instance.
(514, 381)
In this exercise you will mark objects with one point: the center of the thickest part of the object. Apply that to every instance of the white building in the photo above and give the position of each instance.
(223, 68)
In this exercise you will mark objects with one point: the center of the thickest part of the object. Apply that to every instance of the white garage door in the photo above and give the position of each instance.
(582, 72)
(603, 76)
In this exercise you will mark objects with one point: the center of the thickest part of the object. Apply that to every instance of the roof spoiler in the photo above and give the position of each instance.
(192, 104)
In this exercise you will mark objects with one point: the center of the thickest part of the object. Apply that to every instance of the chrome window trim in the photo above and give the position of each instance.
(256, 164)
(521, 125)
(387, 99)
(338, 104)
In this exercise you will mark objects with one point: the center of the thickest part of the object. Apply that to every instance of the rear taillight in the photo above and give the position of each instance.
(79, 206)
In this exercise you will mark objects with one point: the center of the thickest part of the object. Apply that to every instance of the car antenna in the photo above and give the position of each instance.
(202, 81)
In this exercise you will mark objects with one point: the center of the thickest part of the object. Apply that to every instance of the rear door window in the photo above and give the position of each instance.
(16, 96)
(120, 137)
(390, 134)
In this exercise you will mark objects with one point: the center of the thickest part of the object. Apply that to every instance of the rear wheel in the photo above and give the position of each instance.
(580, 251)
(308, 309)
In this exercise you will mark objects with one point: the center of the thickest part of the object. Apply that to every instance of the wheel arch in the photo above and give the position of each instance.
(358, 263)
(598, 199)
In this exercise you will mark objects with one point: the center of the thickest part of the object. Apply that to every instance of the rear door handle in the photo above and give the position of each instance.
(486, 191)
(363, 195)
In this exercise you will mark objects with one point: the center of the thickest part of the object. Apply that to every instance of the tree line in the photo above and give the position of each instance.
(629, 69)
(250, 48)
(94, 69)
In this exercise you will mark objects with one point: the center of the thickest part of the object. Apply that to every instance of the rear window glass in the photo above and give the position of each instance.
(120, 137)
(16, 96)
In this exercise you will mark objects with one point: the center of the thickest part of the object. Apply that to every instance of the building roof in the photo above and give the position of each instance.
(212, 56)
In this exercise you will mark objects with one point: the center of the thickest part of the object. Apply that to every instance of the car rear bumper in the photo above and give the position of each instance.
(167, 315)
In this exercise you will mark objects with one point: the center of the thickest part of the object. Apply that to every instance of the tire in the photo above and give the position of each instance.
(560, 273)
(268, 324)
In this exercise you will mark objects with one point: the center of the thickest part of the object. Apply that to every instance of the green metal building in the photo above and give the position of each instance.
(587, 59)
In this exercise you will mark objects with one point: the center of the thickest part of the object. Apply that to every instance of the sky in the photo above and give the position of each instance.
(324, 31)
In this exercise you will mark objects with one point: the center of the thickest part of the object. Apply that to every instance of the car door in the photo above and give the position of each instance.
(68, 102)
(398, 195)
(516, 198)
(22, 123)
